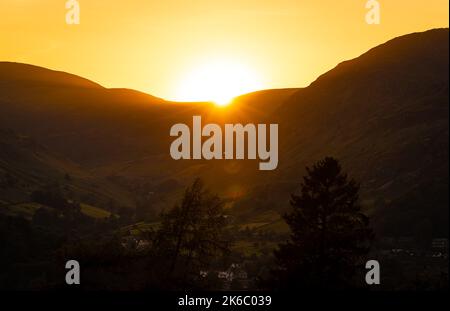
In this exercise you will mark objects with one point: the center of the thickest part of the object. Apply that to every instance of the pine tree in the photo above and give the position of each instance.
(329, 233)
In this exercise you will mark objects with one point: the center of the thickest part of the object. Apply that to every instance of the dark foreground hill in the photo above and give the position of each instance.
(383, 114)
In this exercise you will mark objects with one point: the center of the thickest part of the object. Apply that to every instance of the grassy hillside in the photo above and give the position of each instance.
(26, 166)
(383, 114)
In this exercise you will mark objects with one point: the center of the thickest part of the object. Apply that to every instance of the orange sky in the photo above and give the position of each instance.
(151, 45)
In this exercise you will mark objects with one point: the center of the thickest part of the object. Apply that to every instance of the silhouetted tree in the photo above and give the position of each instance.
(329, 234)
(192, 234)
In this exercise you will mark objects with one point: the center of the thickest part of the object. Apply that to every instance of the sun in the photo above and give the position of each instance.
(217, 81)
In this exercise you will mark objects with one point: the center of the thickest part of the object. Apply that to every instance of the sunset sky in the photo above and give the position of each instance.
(157, 46)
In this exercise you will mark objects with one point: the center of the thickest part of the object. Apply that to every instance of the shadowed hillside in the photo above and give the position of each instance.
(384, 114)
(27, 167)
(12, 74)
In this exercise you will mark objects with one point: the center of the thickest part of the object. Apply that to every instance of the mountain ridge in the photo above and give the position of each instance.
(380, 114)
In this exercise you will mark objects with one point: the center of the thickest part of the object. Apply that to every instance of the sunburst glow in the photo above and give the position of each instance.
(218, 81)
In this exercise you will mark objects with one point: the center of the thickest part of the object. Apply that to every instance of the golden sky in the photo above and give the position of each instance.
(151, 45)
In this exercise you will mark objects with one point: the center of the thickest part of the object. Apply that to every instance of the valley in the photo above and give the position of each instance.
(78, 157)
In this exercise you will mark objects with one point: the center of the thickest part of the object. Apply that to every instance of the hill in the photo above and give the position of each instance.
(26, 167)
(383, 114)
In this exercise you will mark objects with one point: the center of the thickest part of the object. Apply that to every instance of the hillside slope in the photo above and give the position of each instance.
(26, 166)
(383, 114)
